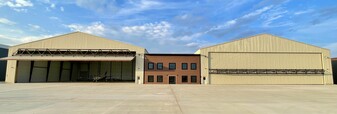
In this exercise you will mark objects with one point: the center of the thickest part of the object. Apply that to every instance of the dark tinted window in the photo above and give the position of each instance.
(150, 66)
(150, 78)
(193, 66)
(184, 79)
(159, 78)
(184, 66)
(193, 79)
(172, 66)
(160, 66)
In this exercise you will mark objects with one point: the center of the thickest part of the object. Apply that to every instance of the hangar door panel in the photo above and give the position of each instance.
(265, 61)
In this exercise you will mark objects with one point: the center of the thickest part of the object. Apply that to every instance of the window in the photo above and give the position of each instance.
(150, 66)
(193, 66)
(184, 66)
(172, 66)
(150, 78)
(184, 79)
(159, 66)
(194, 79)
(159, 78)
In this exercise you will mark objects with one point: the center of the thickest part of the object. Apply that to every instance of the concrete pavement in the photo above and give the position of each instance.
(122, 98)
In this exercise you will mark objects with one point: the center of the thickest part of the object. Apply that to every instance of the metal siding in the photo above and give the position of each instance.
(54, 71)
(127, 70)
(39, 71)
(23, 71)
(78, 40)
(265, 60)
(266, 43)
(266, 79)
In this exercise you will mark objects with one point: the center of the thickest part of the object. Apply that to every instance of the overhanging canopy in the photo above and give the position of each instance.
(69, 58)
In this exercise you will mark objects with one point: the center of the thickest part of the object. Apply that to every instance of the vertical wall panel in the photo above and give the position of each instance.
(93, 69)
(75, 69)
(105, 68)
(23, 71)
(66, 71)
(54, 71)
(39, 71)
(83, 71)
(127, 70)
(116, 70)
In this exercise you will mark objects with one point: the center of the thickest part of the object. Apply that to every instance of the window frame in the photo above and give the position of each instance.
(148, 77)
(182, 79)
(162, 78)
(182, 64)
(196, 66)
(162, 66)
(148, 65)
(196, 80)
(175, 66)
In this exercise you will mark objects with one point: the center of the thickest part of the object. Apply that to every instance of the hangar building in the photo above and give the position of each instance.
(81, 57)
(75, 57)
(265, 59)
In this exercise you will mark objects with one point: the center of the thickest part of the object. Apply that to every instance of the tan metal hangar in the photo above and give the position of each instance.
(75, 57)
(265, 59)
(81, 57)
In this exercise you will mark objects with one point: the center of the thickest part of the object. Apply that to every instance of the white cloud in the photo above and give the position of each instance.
(54, 18)
(142, 5)
(94, 28)
(52, 6)
(18, 40)
(257, 12)
(303, 12)
(192, 44)
(162, 33)
(17, 5)
(241, 19)
(34, 26)
(153, 30)
(190, 37)
(61, 8)
(277, 13)
(6, 21)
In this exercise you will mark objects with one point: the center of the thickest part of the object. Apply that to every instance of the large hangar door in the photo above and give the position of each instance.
(264, 61)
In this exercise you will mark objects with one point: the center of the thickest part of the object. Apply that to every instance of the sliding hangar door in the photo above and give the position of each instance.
(74, 71)
(75, 57)
(265, 59)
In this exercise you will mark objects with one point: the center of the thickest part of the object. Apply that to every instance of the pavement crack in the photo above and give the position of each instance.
(175, 97)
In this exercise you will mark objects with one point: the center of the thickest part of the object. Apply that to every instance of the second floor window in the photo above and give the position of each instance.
(150, 66)
(160, 66)
(193, 66)
(184, 66)
(172, 66)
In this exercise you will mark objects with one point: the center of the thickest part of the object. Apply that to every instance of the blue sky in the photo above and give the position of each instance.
(171, 26)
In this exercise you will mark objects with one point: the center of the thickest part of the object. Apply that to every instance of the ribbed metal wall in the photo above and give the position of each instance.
(78, 40)
(266, 52)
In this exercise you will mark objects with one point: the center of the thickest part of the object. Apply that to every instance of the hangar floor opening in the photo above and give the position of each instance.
(75, 71)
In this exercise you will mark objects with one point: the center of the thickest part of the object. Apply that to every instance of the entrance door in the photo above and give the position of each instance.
(172, 80)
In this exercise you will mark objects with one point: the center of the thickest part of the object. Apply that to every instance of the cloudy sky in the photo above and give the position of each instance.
(168, 26)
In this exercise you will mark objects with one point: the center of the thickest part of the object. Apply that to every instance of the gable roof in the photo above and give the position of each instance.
(254, 36)
(77, 40)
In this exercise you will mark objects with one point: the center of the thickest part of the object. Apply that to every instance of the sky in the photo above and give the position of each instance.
(171, 26)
